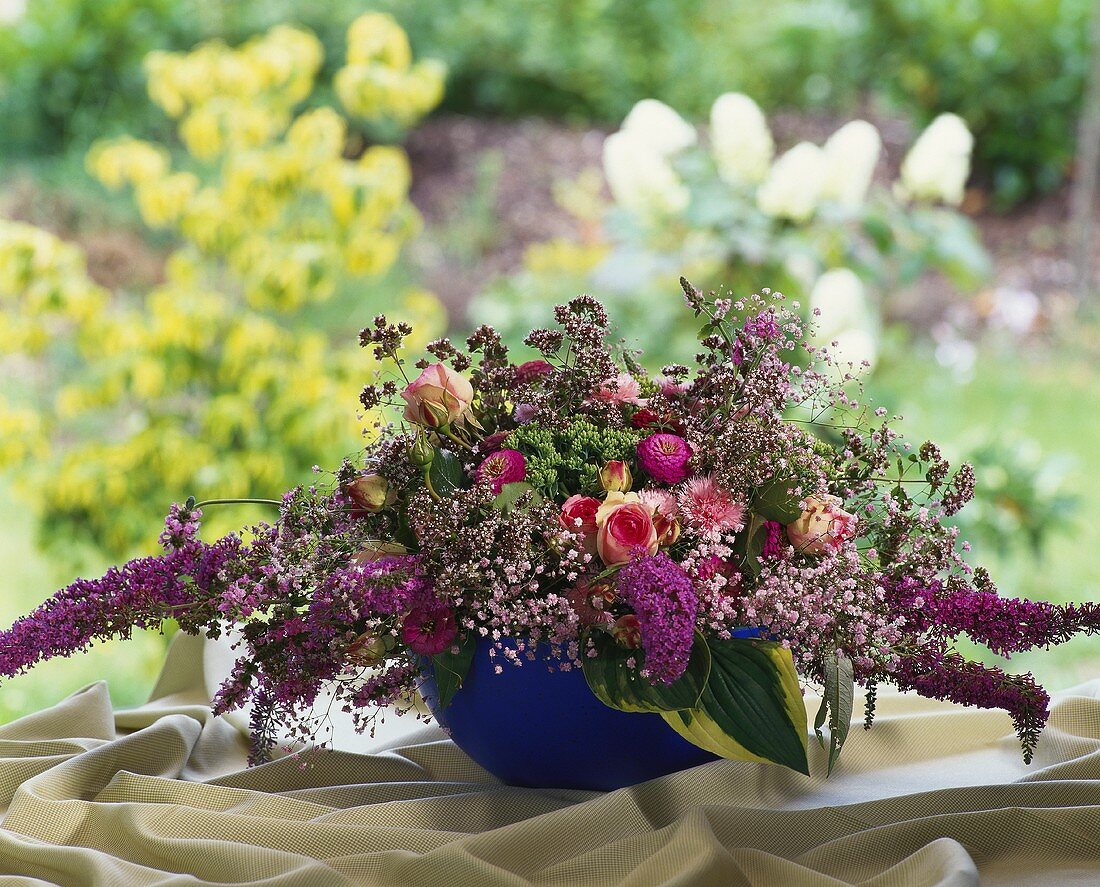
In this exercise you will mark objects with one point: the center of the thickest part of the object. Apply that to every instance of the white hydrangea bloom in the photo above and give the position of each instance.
(793, 186)
(740, 139)
(659, 127)
(641, 179)
(11, 11)
(841, 298)
(853, 347)
(938, 164)
(846, 317)
(851, 154)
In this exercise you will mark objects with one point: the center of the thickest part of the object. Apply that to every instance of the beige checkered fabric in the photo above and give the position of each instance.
(933, 795)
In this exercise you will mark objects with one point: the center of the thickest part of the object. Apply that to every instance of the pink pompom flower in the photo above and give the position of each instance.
(502, 467)
(665, 457)
(709, 509)
(624, 388)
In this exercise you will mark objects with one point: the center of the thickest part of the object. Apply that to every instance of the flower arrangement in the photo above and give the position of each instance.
(635, 527)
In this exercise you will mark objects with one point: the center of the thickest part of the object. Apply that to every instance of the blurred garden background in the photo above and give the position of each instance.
(202, 201)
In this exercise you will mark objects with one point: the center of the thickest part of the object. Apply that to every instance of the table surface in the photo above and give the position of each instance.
(934, 794)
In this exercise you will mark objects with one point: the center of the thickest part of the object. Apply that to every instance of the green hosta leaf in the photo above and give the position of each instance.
(510, 494)
(774, 501)
(451, 668)
(749, 544)
(751, 708)
(617, 685)
(839, 695)
(446, 473)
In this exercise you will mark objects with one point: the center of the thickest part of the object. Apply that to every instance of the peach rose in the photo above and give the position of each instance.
(626, 529)
(822, 527)
(615, 477)
(438, 396)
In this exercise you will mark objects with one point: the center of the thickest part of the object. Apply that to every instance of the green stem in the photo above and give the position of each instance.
(203, 504)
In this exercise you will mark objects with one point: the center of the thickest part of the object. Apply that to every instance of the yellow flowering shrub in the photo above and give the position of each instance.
(226, 380)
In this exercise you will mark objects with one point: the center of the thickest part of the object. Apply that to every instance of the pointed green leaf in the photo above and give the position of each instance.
(819, 720)
(617, 685)
(754, 699)
(446, 473)
(774, 501)
(451, 668)
(510, 494)
(698, 728)
(840, 693)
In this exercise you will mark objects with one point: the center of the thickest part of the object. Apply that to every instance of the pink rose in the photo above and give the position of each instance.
(823, 526)
(626, 529)
(438, 396)
(582, 509)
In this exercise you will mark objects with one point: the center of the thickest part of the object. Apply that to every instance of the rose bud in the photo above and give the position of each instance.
(421, 453)
(615, 477)
(374, 551)
(823, 526)
(668, 529)
(437, 397)
(370, 492)
(531, 370)
(367, 650)
(627, 630)
(625, 531)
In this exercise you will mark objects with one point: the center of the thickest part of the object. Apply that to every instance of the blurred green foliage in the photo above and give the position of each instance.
(71, 70)
(593, 59)
(1013, 69)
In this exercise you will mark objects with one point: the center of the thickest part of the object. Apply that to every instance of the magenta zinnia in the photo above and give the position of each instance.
(664, 457)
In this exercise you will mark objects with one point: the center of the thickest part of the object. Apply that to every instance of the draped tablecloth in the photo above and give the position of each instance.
(932, 795)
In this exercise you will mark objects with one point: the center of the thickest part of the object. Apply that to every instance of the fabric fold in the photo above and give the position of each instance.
(932, 796)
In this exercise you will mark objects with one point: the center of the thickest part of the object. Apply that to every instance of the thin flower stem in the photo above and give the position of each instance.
(206, 502)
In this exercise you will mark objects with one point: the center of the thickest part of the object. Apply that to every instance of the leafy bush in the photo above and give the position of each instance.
(810, 222)
(71, 70)
(594, 58)
(216, 382)
(1013, 70)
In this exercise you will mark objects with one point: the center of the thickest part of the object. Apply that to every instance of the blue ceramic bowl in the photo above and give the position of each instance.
(539, 727)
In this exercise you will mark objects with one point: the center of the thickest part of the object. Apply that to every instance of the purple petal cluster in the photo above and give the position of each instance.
(664, 600)
(140, 594)
(1005, 625)
(938, 674)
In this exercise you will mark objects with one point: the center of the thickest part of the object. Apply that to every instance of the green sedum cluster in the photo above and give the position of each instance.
(560, 461)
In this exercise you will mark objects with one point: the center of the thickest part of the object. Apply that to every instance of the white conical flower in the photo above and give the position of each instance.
(793, 186)
(740, 139)
(841, 298)
(851, 154)
(845, 317)
(656, 125)
(853, 346)
(938, 164)
(640, 179)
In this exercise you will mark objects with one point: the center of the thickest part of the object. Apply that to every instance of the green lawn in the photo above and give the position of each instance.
(1051, 398)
